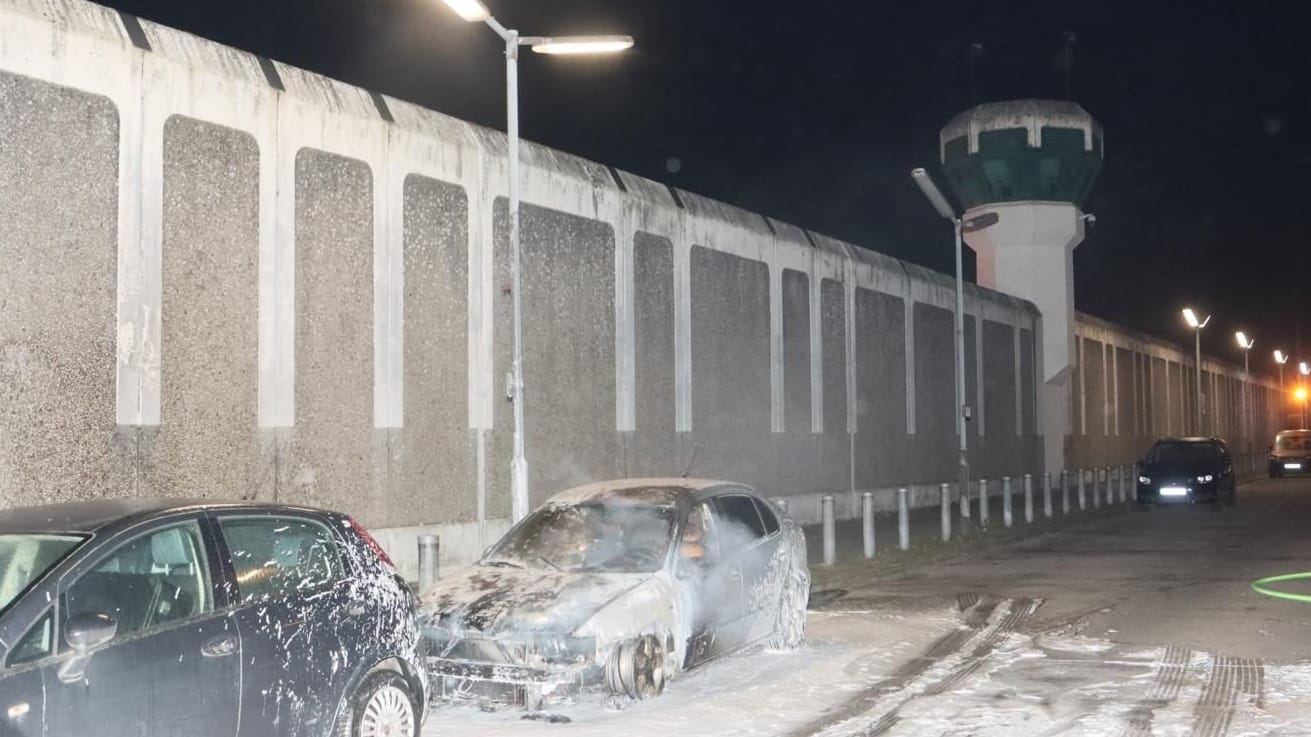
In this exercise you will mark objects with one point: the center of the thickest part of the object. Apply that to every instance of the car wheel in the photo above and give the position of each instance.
(637, 668)
(790, 621)
(380, 707)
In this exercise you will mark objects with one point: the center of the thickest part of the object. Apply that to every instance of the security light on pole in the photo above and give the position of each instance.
(1246, 344)
(1281, 358)
(475, 11)
(979, 222)
(1197, 326)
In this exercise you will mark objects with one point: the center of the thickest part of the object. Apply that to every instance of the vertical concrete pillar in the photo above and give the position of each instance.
(903, 519)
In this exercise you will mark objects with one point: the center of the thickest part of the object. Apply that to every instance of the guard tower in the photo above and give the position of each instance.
(1033, 163)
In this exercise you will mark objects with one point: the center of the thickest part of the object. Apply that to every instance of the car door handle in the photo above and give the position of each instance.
(219, 647)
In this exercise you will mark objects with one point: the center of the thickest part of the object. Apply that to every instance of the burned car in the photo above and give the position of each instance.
(619, 586)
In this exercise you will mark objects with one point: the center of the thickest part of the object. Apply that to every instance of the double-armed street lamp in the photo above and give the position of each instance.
(475, 12)
(1246, 344)
(961, 226)
(1197, 325)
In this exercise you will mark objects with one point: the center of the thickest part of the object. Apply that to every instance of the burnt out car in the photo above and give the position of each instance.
(173, 617)
(618, 586)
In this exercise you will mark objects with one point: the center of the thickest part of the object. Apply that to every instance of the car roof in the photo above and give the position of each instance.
(1188, 441)
(94, 515)
(1283, 433)
(654, 491)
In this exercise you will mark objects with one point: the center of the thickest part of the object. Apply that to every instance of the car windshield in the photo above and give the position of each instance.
(1299, 441)
(1186, 455)
(25, 558)
(609, 537)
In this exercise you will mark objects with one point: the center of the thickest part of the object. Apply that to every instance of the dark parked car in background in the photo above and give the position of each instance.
(1188, 470)
(193, 618)
(1291, 453)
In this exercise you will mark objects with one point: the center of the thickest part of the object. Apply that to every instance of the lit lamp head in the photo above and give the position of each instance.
(1281, 358)
(1244, 342)
(471, 10)
(1191, 318)
(1303, 369)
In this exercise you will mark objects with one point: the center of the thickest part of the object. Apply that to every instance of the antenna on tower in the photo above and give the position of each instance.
(976, 52)
(1068, 58)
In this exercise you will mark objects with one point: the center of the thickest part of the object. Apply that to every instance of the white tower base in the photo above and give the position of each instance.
(1029, 253)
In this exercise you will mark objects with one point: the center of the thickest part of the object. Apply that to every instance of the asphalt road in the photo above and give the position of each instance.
(1125, 623)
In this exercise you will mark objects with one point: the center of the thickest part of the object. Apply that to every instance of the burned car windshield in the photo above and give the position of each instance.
(607, 538)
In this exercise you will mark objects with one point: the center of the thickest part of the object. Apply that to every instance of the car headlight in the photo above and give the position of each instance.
(1144, 479)
(1208, 478)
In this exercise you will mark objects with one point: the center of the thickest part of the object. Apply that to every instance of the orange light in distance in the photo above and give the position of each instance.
(1300, 394)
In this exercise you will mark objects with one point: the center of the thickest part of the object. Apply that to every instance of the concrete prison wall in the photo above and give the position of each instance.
(225, 277)
(1130, 389)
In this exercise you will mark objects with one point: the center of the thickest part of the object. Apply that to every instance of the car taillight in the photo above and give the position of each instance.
(373, 544)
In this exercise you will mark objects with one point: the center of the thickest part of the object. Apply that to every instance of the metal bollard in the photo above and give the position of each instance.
(1065, 491)
(1083, 494)
(1110, 490)
(965, 508)
(1120, 477)
(867, 509)
(830, 539)
(1006, 501)
(1096, 489)
(903, 519)
(945, 492)
(429, 550)
(1047, 495)
(1028, 498)
(983, 502)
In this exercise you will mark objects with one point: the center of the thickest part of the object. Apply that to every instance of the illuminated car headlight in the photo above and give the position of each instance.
(1144, 479)
(1208, 478)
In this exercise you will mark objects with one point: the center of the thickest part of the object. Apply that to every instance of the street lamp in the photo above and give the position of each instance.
(1197, 325)
(475, 12)
(979, 222)
(1281, 358)
(1304, 370)
(1246, 344)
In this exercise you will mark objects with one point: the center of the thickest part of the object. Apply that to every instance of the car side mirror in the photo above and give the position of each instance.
(84, 633)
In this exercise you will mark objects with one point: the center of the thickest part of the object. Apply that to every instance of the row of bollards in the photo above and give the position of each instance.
(1091, 487)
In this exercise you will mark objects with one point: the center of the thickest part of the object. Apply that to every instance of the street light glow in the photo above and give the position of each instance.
(470, 10)
(1193, 322)
(582, 44)
(1300, 394)
(1280, 358)
(1243, 341)
(1303, 368)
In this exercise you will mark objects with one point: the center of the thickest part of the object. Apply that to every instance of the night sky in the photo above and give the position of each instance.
(815, 112)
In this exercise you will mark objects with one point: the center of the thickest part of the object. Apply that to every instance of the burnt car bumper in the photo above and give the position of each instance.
(508, 684)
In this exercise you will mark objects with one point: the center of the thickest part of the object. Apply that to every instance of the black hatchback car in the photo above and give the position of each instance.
(1187, 470)
(152, 617)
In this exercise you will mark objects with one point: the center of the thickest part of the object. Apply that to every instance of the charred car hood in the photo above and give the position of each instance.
(499, 601)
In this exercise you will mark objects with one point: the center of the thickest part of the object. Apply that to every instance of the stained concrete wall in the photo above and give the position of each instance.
(231, 278)
(1131, 389)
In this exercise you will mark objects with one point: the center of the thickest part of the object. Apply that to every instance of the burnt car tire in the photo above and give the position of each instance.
(637, 668)
(790, 621)
(381, 705)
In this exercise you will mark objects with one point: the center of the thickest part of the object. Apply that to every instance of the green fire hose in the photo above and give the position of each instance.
(1263, 586)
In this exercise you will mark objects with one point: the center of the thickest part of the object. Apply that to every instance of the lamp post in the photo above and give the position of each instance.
(475, 12)
(960, 227)
(1246, 344)
(1304, 370)
(1197, 325)
(1281, 358)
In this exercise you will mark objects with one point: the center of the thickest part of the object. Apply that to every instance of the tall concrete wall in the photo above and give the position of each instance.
(1130, 389)
(226, 277)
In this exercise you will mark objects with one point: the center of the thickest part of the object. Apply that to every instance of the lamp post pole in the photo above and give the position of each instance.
(475, 11)
(1197, 325)
(960, 227)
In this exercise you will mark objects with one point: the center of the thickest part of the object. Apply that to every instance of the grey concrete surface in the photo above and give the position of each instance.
(1169, 575)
